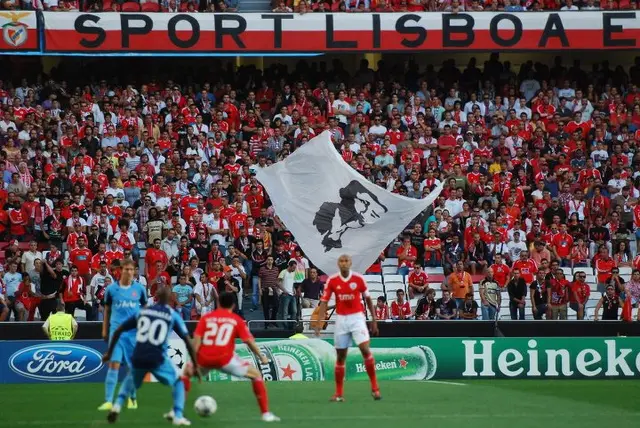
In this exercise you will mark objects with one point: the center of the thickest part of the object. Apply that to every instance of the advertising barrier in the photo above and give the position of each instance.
(447, 358)
(32, 361)
(182, 33)
(19, 31)
(396, 359)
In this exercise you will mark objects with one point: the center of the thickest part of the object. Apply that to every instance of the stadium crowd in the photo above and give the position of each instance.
(302, 6)
(540, 169)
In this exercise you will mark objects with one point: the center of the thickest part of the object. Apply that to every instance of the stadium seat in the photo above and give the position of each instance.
(591, 279)
(374, 282)
(390, 262)
(150, 7)
(130, 7)
(434, 271)
(393, 282)
(625, 270)
(392, 270)
(568, 272)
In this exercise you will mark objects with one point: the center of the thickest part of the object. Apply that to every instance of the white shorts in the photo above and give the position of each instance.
(350, 328)
(236, 367)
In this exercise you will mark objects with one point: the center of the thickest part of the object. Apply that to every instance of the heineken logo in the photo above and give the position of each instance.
(383, 365)
(610, 360)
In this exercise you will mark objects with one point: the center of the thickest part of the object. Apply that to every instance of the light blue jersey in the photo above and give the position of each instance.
(124, 303)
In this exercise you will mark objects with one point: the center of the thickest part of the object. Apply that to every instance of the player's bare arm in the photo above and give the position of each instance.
(105, 322)
(251, 344)
(192, 354)
(372, 311)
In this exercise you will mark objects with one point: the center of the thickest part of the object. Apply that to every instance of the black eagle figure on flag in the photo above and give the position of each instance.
(357, 208)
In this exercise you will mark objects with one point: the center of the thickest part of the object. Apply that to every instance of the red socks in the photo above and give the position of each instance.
(339, 376)
(187, 383)
(370, 365)
(261, 394)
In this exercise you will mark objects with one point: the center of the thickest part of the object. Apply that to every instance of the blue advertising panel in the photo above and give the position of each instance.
(47, 361)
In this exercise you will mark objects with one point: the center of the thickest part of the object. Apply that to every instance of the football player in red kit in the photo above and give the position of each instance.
(215, 338)
(351, 325)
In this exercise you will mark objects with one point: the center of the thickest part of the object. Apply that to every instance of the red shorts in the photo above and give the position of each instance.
(235, 366)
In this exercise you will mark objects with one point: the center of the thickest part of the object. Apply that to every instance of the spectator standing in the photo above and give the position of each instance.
(183, 296)
(517, 289)
(30, 256)
(268, 286)
(312, 289)
(490, 296)
(287, 304)
(228, 284)
(538, 295)
(610, 303)
(558, 295)
(12, 279)
(51, 280)
(460, 283)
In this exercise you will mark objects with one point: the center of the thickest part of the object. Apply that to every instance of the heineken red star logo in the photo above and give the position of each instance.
(403, 363)
(288, 372)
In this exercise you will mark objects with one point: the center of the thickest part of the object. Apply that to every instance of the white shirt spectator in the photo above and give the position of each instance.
(288, 279)
(377, 129)
(529, 88)
(341, 106)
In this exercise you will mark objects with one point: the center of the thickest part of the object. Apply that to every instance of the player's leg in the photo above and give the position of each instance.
(240, 368)
(361, 338)
(129, 384)
(166, 375)
(111, 380)
(342, 339)
(128, 343)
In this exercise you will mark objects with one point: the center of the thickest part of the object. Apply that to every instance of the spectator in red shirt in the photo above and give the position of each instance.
(417, 281)
(407, 254)
(604, 265)
(558, 296)
(382, 310)
(400, 309)
(562, 243)
(580, 292)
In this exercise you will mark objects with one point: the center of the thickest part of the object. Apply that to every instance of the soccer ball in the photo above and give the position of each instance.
(205, 406)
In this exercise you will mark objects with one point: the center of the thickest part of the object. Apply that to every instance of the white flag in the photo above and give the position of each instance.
(332, 210)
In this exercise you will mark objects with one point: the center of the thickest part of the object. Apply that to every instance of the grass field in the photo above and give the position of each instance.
(481, 404)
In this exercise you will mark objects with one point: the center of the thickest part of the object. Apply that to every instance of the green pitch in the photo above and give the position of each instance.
(480, 404)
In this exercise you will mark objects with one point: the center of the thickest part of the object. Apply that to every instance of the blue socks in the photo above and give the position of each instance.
(110, 383)
(178, 398)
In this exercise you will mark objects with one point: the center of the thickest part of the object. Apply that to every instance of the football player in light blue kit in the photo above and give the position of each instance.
(154, 325)
(123, 299)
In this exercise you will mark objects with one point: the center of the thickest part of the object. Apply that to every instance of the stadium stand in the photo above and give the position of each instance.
(126, 153)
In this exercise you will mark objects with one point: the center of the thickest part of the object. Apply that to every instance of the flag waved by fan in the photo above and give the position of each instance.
(332, 210)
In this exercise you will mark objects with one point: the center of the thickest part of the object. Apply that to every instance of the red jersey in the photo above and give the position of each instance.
(81, 258)
(562, 242)
(604, 268)
(528, 269)
(382, 313)
(348, 291)
(559, 292)
(153, 256)
(236, 221)
(501, 274)
(189, 206)
(397, 309)
(219, 330)
(418, 279)
(582, 289)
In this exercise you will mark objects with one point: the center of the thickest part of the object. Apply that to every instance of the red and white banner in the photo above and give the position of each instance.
(19, 31)
(338, 32)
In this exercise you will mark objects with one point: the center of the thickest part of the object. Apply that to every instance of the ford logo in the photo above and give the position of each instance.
(56, 362)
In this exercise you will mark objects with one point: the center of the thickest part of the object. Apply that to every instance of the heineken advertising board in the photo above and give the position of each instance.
(447, 358)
